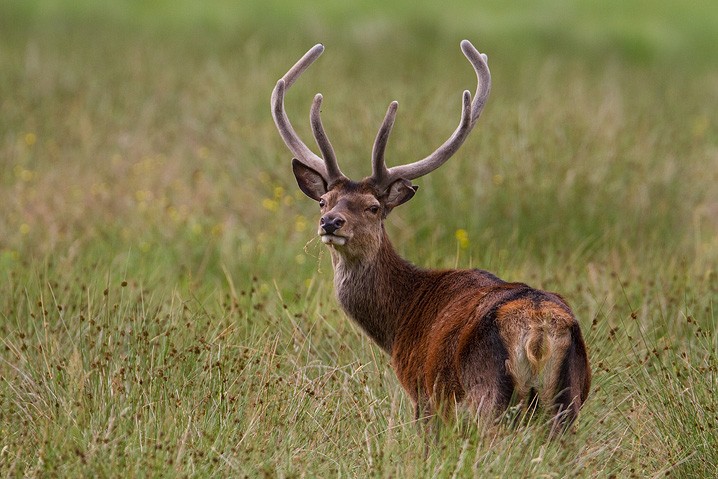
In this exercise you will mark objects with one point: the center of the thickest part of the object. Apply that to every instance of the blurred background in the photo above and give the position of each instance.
(126, 124)
(141, 130)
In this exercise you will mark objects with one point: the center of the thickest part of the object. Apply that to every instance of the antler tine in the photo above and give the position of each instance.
(470, 112)
(480, 63)
(379, 171)
(293, 73)
(323, 142)
(286, 131)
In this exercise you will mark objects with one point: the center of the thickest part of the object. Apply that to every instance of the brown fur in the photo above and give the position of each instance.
(455, 336)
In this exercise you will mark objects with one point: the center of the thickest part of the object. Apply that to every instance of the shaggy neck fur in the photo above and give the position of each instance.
(372, 290)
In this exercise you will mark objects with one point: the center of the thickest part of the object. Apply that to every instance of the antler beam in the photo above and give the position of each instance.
(327, 167)
(382, 176)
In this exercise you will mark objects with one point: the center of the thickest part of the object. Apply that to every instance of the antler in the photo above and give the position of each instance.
(382, 176)
(328, 167)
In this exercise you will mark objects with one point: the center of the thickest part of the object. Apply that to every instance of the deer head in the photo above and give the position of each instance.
(352, 212)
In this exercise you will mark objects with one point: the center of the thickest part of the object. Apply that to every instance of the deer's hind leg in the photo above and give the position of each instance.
(488, 385)
(570, 384)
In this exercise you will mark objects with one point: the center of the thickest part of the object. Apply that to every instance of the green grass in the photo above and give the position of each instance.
(166, 311)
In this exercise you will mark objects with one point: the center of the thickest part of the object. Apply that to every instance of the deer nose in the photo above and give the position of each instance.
(331, 223)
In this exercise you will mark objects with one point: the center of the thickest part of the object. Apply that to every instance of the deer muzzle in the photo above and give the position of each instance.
(329, 226)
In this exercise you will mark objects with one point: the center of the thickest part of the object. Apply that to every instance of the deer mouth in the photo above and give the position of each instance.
(333, 239)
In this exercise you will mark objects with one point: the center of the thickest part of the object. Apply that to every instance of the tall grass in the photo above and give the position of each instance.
(165, 310)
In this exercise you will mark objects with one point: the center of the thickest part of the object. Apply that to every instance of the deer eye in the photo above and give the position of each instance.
(373, 209)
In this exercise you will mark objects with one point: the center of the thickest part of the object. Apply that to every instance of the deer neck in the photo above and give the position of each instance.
(374, 291)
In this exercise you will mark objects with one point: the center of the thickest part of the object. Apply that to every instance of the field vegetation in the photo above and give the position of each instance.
(165, 307)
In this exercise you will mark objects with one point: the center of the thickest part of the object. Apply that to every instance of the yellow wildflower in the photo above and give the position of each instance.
(270, 204)
(462, 236)
(300, 224)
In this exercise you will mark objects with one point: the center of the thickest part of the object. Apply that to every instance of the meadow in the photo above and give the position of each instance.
(165, 307)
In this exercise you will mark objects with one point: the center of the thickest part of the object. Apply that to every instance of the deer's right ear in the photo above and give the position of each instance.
(309, 180)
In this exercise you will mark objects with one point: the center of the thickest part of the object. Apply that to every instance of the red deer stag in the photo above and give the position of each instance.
(454, 336)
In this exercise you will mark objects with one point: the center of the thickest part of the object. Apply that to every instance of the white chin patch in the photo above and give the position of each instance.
(333, 239)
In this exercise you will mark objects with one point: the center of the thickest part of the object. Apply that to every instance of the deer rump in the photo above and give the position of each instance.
(475, 340)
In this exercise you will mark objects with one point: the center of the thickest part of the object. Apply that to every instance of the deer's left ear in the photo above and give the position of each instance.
(399, 193)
